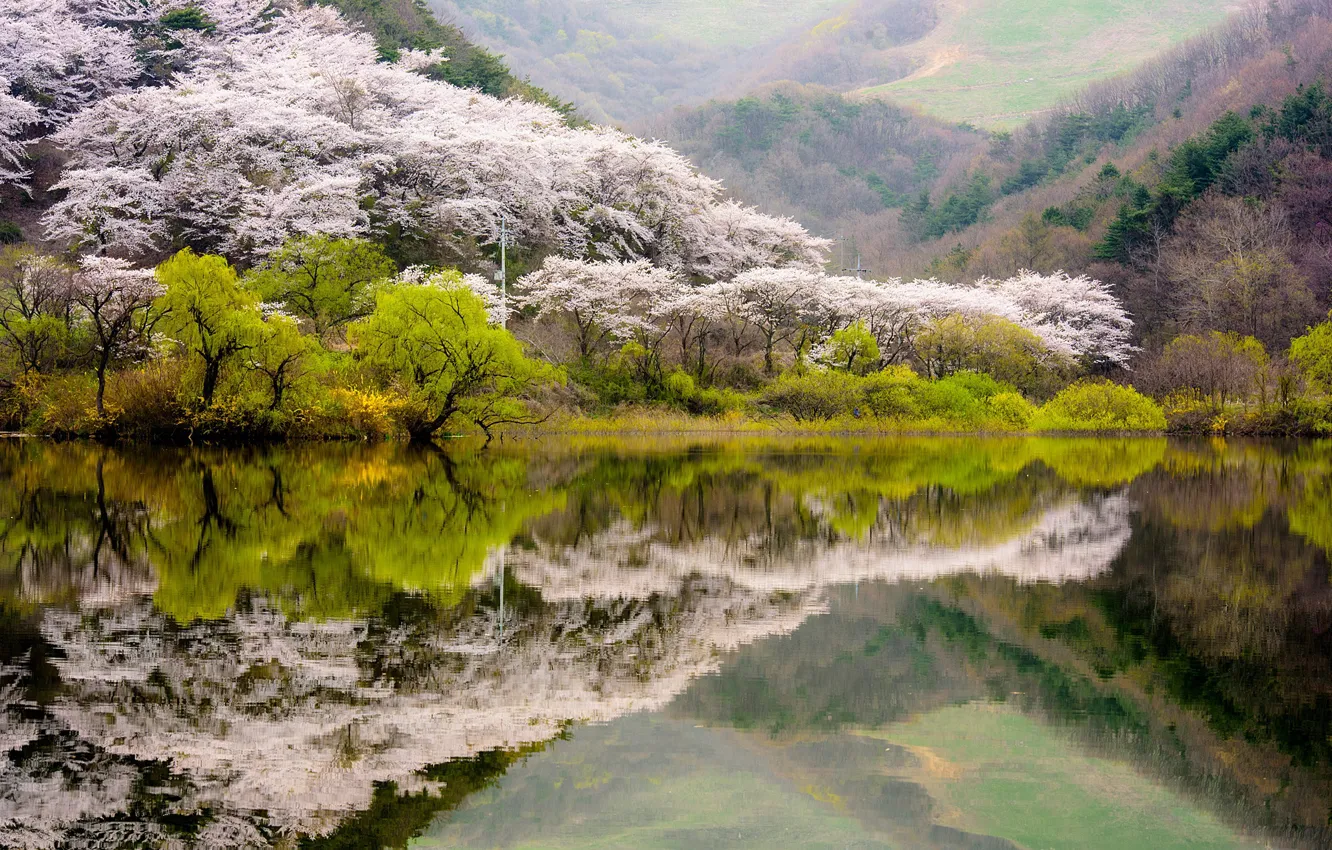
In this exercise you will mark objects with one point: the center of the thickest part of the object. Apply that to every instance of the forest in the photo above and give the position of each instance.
(233, 222)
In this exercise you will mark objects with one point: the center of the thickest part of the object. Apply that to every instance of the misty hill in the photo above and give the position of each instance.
(991, 62)
(1099, 185)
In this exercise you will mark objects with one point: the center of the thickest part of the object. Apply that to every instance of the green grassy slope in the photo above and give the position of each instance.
(989, 62)
(995, 63)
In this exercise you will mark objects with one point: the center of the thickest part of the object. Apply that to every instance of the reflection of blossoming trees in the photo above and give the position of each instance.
(299, 720)
(324, 619)
(1066, 540)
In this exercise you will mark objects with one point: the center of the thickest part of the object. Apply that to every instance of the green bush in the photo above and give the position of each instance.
(1100, 406)
(894, 393)
(979, 385)
(146, 400)
(66, 406)
(965, 400)
(10, 233)
(610, 384)
(679, 387)
(947, 400)
(1011, 410)
(815, 394)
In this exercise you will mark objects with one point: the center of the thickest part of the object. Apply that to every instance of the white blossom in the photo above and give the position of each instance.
(296, 127)
(603, 301)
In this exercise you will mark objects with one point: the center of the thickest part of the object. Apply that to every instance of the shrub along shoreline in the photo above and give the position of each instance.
(328, 341)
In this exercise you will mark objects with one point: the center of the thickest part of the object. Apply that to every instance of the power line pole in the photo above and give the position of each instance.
(860, 269)
(502, 276)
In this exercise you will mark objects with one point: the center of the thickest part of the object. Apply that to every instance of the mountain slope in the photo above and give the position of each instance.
(987, 61)
(409, 25)
(994, 63)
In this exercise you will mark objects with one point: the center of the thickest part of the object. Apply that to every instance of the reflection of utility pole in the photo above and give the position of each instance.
(501, 276)
(499, 579)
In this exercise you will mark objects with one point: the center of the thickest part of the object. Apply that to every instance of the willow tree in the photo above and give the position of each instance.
(325, 282)
(436, 341)
(207, 313)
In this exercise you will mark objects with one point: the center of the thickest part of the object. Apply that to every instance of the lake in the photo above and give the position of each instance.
(767, 642)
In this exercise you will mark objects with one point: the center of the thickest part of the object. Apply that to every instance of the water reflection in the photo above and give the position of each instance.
(339, 645)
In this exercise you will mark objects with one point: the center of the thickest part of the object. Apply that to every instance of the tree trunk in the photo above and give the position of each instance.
(422, 433)
(103, 362)
(212, 369)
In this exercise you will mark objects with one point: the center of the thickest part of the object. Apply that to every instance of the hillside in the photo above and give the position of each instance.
(996, 63)
(991, 62)
(914, 195)
(409, 25)
(834, 163)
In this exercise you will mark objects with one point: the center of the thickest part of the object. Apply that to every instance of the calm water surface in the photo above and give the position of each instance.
(1026, 643)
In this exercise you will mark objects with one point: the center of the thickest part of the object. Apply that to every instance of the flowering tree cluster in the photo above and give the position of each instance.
(798, 308)
(58, 58)
(294, 127)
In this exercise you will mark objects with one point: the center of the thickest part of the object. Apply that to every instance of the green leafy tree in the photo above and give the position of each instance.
(852, 349)
(1313, 354)
(1009, 353)
(34, 309)
(283, 355)
(437, 342)
(325, 282)
(207, 313)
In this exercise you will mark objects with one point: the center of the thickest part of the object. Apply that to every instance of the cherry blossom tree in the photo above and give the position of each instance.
(297, 128)
(116, 298)
(58, 61)
(774, 302)
(109, 207)
(601, 301)
(15, 117)
(692, 313)
(1076, 316)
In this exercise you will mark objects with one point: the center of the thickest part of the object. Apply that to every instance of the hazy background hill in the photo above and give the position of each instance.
(991, 62)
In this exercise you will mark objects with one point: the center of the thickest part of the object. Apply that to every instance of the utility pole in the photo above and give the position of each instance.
(860, 269)
(502, 275)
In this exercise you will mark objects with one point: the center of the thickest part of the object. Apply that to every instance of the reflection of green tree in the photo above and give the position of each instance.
(437, 532)
(324, 531)
(944, 492)
(1104, 462)
(1311, 515)
(329, 540)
